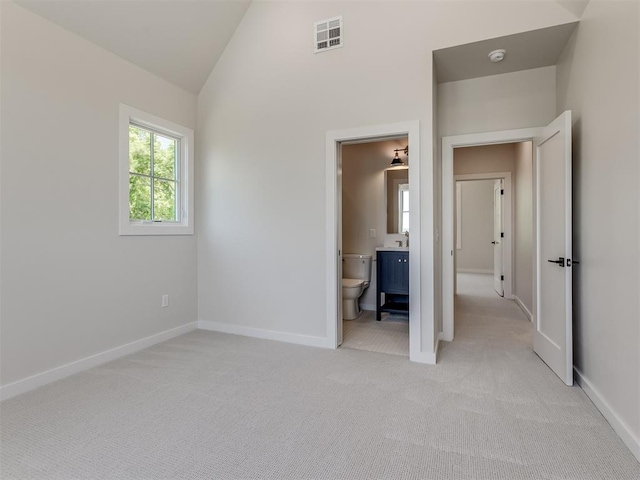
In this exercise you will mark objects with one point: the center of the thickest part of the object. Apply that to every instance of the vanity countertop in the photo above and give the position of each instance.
(392, 249)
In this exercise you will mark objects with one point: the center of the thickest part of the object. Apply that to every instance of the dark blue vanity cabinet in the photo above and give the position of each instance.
(393, 281)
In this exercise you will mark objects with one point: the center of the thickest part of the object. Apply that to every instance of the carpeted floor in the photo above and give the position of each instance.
(216, 406)
(389, 335)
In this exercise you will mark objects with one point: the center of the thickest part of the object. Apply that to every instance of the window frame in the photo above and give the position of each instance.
(185, 164)
(403, 187)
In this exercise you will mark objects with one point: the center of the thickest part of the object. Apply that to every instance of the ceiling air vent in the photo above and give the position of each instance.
(328, 34)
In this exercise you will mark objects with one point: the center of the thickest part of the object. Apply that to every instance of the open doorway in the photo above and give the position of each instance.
(482, 229)
(491, 214)
(375, 223)
(336, 140)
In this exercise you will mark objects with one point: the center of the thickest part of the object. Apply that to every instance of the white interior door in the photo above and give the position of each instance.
(553, 334)
(498, 267)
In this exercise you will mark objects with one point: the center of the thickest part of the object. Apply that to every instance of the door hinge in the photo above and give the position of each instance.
(501, 234)
(502, 277)
(502, 191)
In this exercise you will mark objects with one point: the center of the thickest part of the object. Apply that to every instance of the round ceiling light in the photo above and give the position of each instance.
(497, 55)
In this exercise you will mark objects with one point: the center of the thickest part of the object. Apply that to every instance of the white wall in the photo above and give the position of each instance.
(364, 204)
(523, 232)
(598, 80)
(499, 102)
(476, 208)
(71, 287)
(262, 119)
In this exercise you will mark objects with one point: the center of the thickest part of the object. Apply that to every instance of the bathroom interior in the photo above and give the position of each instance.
(375, 242)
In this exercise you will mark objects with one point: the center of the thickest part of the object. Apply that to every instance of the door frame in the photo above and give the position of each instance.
(448, 191)
(334, 140)
(507, 226)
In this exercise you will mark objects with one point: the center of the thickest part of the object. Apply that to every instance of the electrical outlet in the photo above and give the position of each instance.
(372, 233)
(165, 301)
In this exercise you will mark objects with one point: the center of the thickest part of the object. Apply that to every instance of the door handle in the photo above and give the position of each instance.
(496, 243)
(560, 261)
(572, 262)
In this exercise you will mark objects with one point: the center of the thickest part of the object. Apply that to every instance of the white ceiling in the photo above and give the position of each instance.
(527, 50)
(178, 40)
(181, 40)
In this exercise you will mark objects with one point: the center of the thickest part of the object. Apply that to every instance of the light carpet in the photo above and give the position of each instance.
(389, 335)
(215, 406)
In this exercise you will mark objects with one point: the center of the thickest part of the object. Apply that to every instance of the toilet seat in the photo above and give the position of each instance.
(351, 282)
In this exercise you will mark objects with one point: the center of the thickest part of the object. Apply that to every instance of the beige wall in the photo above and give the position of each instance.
(523, 231)
(598, 80)
(484, 159)
(71, 287)
(363, 201)
(476, 208)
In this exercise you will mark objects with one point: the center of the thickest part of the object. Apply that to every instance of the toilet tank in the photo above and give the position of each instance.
(356, 266)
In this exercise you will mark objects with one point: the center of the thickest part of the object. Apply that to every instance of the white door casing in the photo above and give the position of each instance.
(448, 239)
(553, 336)
(498, 271)
(417, 351)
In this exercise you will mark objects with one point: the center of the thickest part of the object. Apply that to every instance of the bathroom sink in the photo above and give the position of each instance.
(392, 249)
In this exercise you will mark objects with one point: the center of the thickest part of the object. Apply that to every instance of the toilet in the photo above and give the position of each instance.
(356, 275)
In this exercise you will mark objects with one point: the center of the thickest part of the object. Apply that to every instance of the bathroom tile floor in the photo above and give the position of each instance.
(389, 335)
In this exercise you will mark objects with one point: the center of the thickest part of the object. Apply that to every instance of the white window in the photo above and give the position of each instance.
(403, 207)
(156, 175)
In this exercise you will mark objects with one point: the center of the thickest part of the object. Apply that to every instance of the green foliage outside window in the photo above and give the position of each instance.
(152, 176)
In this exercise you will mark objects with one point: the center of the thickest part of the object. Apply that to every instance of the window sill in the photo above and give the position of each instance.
(153, 228)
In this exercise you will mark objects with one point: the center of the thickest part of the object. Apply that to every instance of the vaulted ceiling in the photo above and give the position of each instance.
(178, 40)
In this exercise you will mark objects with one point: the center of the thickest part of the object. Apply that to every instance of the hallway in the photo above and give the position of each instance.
(515, 404)
(481, 316)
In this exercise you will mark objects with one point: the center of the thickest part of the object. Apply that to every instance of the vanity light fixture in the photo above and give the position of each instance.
(396, 162)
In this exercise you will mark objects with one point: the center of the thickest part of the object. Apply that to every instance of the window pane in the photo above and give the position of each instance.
(405, 200)
(164, 198)
(405, 222)
(139, 198)
(139, 150)
(164, 157)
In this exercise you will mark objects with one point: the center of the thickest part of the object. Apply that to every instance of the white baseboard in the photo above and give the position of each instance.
(63, 371)
(474, 270)
(429, 358)
(441, 337)
(619, 426)
(307, 340)
(524, 308)
(371, 307)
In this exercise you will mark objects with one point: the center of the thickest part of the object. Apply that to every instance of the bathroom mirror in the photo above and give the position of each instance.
(396, 191)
